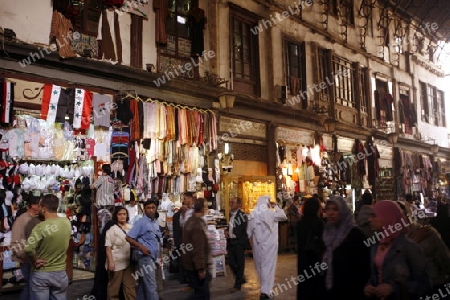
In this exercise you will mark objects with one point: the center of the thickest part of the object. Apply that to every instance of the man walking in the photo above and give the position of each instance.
(196, 261)
(237, 242)
(145, 236)
(178, 240)
(263, 232)
(46, 249)
(21, 230)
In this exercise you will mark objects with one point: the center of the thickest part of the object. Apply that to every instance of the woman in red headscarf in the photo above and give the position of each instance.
(398, 265)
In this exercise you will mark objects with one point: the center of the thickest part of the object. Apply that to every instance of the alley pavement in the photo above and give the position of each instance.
(221, 286)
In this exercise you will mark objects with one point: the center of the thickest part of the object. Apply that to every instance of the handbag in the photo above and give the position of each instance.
(134, 252)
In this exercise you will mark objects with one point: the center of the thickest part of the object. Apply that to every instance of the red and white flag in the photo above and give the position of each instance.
(50, 99)
(7, 102)
(83, 108)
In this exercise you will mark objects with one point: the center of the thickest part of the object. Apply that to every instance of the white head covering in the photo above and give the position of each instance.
(260, 217)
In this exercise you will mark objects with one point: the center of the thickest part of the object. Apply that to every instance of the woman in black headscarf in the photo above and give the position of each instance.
(310, 249)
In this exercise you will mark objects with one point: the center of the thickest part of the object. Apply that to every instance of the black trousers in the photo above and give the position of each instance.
(200, 286)
(236, 261)
(181, 272)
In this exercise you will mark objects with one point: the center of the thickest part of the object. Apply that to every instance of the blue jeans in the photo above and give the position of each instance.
(147, 282)
(49, 285)
(25, 294)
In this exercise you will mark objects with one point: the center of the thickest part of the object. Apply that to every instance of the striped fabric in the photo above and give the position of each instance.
(105, 186)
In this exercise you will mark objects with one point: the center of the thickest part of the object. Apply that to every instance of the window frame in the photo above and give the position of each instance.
(136, 41)
(441, 108)
(252, 85)
(424, 105)
(342, 95)
(405, 91)
(350, 17)
(364, 102)
(301, 60)
(324, 72)
(89, 12)
(177, 36)
(333, 7)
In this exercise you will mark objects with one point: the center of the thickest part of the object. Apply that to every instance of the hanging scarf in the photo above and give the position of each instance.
(334, 235)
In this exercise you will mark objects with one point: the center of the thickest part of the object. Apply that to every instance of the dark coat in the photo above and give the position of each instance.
(177, 229)
(351, 266)
(194, 233)
(99, 290)
(310, 228)
(240, 229)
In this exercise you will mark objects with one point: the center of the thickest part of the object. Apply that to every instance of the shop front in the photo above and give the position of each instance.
(242, 156)
(416, 174)
(298, 161)
(56, 136)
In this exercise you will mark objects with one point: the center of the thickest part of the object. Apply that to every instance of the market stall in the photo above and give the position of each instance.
(56, 137)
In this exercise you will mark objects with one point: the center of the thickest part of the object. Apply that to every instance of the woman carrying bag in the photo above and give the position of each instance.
(118, 257)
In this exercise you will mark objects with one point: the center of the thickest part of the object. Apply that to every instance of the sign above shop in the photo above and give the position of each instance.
(294, 136)
(345, 144)
(385, 152)
(27, 92)
(238, 128)
(327, 142)
(385, 160)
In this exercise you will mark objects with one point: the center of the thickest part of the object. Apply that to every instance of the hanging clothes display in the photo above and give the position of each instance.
(196, 23)
(373, 166)
(109, 36)
(60, 30)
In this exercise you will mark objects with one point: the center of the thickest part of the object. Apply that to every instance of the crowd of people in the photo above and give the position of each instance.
(128, 249)
(384, 250)
(380, 251)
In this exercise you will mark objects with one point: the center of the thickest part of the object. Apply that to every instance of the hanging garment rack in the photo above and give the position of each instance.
(129, 95)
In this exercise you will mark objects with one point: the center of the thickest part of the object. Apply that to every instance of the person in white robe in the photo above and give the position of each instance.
(262, 231)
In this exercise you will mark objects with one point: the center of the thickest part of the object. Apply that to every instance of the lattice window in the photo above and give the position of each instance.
(343, 81)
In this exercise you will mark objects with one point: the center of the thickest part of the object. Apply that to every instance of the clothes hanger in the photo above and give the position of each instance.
(119, 153)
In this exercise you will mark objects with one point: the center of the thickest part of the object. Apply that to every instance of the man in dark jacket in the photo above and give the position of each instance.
(196, 259)
(237, 242)
(178, 239)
